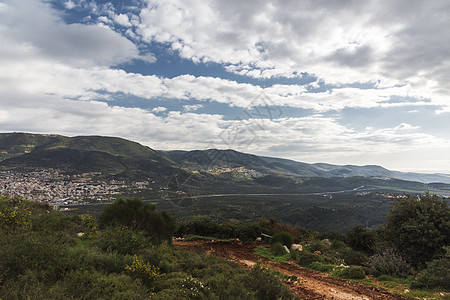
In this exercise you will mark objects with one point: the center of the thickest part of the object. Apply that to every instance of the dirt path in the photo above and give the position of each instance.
(310, 285)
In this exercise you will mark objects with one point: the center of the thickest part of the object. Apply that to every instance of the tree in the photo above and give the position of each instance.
(419, 227)
(136, 214)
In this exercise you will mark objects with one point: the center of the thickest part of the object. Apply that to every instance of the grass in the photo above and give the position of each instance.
(265, 252)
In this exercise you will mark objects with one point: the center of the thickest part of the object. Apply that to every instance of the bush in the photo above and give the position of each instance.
(277, 249)
(321, 267)
(14, 218)
(337, 244)
(436, 275)
(284, 238)
(94, 258)
(317, 246)
(389, 263)
(352, 257)
(305, 259)
(136, 214)
(94, 285)
(353, 272)
(419, 228)
(143, 271)
(122, 239)
(30, 250)
(361, 239)
(266, 285)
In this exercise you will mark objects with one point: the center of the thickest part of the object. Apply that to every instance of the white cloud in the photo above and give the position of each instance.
(69, 4)
(405, 126)
(53, 75)
(159, 109)
(192, 107)
(351, 41)
(46, 35)
(122, 19)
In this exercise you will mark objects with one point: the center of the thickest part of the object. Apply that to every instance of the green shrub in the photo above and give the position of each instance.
(267, 252)
(321, 267)
(361, 239)
(337, 244)
(266, 285)
(94, 258)
(284, 238)
(436, 275)
(54, 221)
(14, 218)
(94, 285)
(389, 263)
(136, 214)
(24, 251)
(305, 259)
(122, 239)
(143, 271)
(317, 246)
(353, 272)
(419, 228)
(277, 249)
(353, 257)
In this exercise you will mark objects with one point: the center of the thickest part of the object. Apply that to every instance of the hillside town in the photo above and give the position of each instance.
(56, 188)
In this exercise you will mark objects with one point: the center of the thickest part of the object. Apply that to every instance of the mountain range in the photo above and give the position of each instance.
(122, 158)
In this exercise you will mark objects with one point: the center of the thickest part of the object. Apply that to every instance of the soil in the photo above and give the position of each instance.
(310, 284)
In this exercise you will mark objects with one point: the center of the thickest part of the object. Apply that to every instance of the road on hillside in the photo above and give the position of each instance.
(310, 284)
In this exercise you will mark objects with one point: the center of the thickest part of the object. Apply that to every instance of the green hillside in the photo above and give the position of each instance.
(108, 155)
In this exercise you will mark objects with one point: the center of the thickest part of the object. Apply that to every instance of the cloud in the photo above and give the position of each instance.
(64, 78)
(122, 19)
(159, 109)
(43, 34)
(405, 126)
(192, 107)
(387, 42)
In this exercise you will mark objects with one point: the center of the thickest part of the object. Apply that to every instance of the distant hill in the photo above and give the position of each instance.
(213, 158)
(109, 155)
(216, 170)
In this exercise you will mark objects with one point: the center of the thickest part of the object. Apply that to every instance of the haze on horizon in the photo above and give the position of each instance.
(341, 82)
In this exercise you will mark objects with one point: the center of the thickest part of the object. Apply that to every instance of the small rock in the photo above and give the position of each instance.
(297, 247)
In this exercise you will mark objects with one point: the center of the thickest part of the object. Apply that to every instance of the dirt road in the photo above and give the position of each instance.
(310, 285)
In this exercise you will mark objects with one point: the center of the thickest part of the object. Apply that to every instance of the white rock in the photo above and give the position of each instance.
(297, 247)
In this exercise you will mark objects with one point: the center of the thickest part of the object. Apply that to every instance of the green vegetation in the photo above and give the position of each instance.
(436, 274)
(137, 215)
(389, 263)
(419, 228)
(47, 255)
(352, 272)
(283, 238)
(270, 254)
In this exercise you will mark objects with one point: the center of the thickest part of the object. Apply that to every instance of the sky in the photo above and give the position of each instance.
(341, 82)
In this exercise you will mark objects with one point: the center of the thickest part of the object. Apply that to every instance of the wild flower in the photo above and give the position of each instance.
(144, 271)
(14, 218)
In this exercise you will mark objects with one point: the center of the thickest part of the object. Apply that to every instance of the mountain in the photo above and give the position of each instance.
(425, 178)
(109, 155)
(213, 158)
(217, 169)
